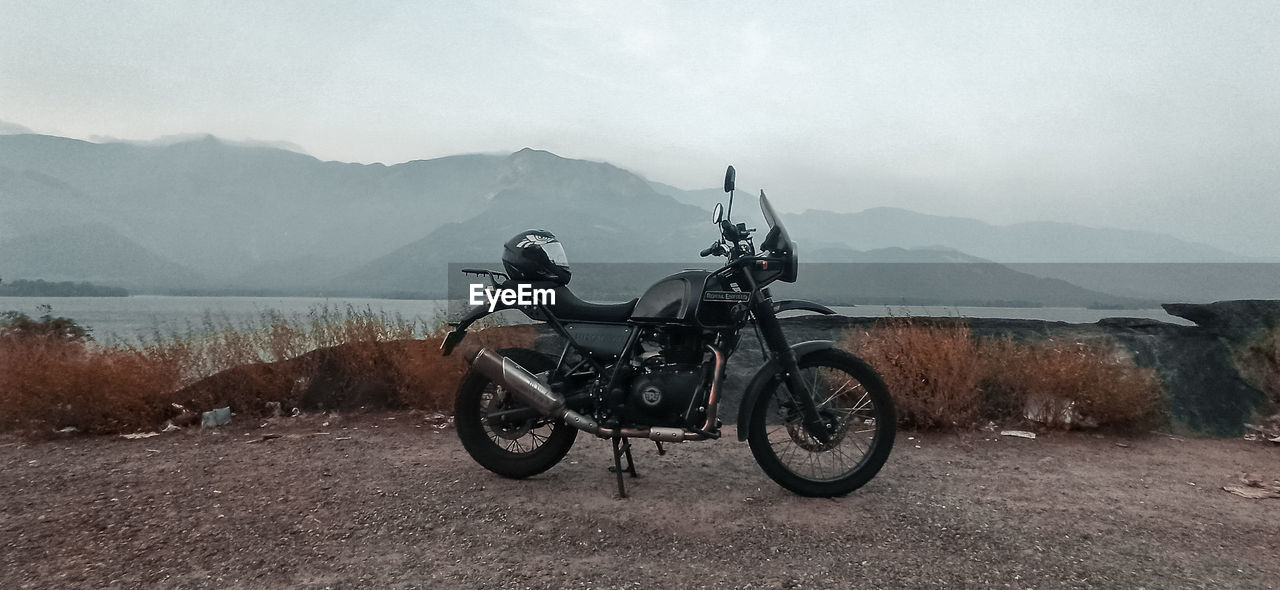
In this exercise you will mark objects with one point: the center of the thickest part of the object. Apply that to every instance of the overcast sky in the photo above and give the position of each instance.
(1148, 115)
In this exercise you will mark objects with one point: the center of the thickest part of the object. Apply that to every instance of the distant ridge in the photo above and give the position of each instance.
(94, 253)
(1041, 241)
(200, 214)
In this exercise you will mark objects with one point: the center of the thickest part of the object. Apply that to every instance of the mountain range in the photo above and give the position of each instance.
(206, 215)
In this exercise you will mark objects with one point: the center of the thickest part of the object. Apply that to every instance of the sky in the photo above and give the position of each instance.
(1162, 116)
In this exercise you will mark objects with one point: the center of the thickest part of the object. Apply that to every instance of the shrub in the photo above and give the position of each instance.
(931, 367)
(1068, 385)
(942, 376)
(48, 383)
(15, 324)
(427, 381)
(52, 375)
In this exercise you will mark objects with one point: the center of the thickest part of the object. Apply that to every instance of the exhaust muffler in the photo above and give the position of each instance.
(533, 392)
(528, 389)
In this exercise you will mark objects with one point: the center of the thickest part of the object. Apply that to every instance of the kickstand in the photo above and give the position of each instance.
(621, 448)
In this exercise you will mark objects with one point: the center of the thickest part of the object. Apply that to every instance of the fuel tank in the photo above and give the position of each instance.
(680, 299)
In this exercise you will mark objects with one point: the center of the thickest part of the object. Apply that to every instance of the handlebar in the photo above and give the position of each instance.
(712, 249)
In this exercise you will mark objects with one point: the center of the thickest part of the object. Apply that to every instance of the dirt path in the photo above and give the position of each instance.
(392, 501)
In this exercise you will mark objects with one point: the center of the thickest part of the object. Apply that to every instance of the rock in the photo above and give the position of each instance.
(1255, 487)
(138, 435)
(1252, 493)
(215, 418)
(1235, 321)
(1018, 433)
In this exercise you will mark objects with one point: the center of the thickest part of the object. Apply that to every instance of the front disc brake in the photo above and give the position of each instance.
(795, 428)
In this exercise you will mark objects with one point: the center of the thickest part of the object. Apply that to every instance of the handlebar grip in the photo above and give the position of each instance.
(707, 252)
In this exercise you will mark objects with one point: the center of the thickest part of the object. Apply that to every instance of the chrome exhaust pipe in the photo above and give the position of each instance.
(528, 389)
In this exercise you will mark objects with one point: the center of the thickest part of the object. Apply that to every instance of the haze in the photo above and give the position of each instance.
(1143, 115)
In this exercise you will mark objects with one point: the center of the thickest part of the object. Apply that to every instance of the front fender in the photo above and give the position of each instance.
(764, 375)
(801, 305)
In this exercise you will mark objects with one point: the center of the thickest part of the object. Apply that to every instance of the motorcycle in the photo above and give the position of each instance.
(819, 421)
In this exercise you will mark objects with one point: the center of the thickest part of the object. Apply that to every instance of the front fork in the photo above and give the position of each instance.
(771, 331)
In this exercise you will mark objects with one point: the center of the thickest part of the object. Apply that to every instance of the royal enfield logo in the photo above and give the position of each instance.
(651, 395)
(534, 240)
(725, 296)
(523, 295)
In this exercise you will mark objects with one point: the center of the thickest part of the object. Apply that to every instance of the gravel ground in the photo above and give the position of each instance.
(392, 501)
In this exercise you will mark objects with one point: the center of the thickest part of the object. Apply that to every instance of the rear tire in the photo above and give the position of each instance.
(845, 388)
(510, 450)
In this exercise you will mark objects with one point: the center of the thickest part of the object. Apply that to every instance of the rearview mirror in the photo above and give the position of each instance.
(729, 176)
(717, 214)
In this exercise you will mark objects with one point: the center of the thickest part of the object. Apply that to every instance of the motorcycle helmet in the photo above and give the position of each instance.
(536, 255)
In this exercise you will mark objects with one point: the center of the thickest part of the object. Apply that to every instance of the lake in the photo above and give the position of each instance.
(126, 318)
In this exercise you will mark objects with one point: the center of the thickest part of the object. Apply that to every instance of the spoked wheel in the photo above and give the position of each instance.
(848, 392)
(510, 448)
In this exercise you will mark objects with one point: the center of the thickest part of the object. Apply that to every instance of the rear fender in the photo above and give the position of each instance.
(454, 337)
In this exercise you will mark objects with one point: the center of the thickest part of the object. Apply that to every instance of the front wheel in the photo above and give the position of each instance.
(515, 449)
(845, 389)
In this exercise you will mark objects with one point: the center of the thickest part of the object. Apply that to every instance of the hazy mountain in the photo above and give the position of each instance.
(221, 207)
(7, 128)
(945, 283)
(605, 214)
(33, 202)
(255, 218)
(95, 253)
(1040, 241)
(889, 255)
(1020, 242)
(602, 213)
(1168, 282)
(705, 198)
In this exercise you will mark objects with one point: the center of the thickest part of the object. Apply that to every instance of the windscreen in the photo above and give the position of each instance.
(777, 238)
(769, 216)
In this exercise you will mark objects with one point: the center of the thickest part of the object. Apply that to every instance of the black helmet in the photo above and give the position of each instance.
(536, 255)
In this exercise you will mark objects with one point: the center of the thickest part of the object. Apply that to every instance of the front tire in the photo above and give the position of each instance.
(846, 389)
(515, 450)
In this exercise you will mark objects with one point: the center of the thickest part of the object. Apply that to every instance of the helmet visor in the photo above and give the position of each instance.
(555, 253)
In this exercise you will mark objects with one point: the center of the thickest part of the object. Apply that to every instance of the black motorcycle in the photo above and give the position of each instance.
(819, 421)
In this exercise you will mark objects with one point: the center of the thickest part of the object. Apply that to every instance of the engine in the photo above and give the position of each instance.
(665, 394)
(667, 387)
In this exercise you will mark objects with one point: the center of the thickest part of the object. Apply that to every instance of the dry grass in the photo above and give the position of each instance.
(53, 378)
(48, 383)
(217, 344)
(932, 367)
(1069, 385)
(942, 376)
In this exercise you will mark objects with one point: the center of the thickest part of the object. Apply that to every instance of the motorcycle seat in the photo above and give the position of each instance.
(569, 308)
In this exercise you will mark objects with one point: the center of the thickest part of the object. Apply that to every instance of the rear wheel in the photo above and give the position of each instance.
(847, 391)
(514, 449)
